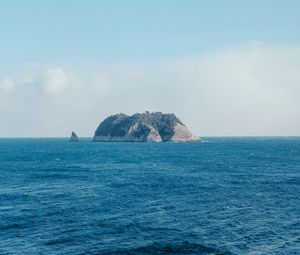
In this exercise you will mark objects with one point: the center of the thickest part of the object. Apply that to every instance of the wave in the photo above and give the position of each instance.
(11, 226)
(159, 248)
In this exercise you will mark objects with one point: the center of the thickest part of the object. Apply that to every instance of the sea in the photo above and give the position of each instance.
(218, 196)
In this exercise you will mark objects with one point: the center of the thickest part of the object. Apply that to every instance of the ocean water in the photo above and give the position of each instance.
(221, 196)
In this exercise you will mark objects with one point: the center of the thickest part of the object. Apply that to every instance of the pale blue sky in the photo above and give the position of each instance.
(123, 31)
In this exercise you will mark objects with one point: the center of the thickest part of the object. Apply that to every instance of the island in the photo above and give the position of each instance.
(74, 137)
(143, 127)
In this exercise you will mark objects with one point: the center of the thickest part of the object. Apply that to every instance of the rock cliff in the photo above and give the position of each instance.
(143, 127)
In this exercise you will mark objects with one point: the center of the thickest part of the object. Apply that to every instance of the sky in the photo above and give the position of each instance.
(226, 67)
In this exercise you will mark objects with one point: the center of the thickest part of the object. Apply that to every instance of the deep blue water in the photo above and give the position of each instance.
(223, 196)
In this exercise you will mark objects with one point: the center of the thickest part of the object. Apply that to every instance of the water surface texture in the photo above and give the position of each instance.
(223, 196)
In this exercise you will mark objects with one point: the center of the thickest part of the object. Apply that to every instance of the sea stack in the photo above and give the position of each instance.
(143, 127)
(74, 137)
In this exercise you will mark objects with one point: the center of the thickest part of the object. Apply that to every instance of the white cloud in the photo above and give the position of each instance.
(6, 85)
(250, 90)
(256, 43)
(53, 81)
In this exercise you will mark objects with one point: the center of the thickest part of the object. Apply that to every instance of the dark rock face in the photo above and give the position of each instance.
(143, 127)
(74, 137)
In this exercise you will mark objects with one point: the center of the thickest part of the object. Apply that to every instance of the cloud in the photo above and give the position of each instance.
(52, 81)
(6, 85)
(256, 44)
(246, 90)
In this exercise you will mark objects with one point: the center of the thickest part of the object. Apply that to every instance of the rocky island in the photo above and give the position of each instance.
(74, 137)
(143, 127)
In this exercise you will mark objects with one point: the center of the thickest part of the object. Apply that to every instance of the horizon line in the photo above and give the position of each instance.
(208, 136)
